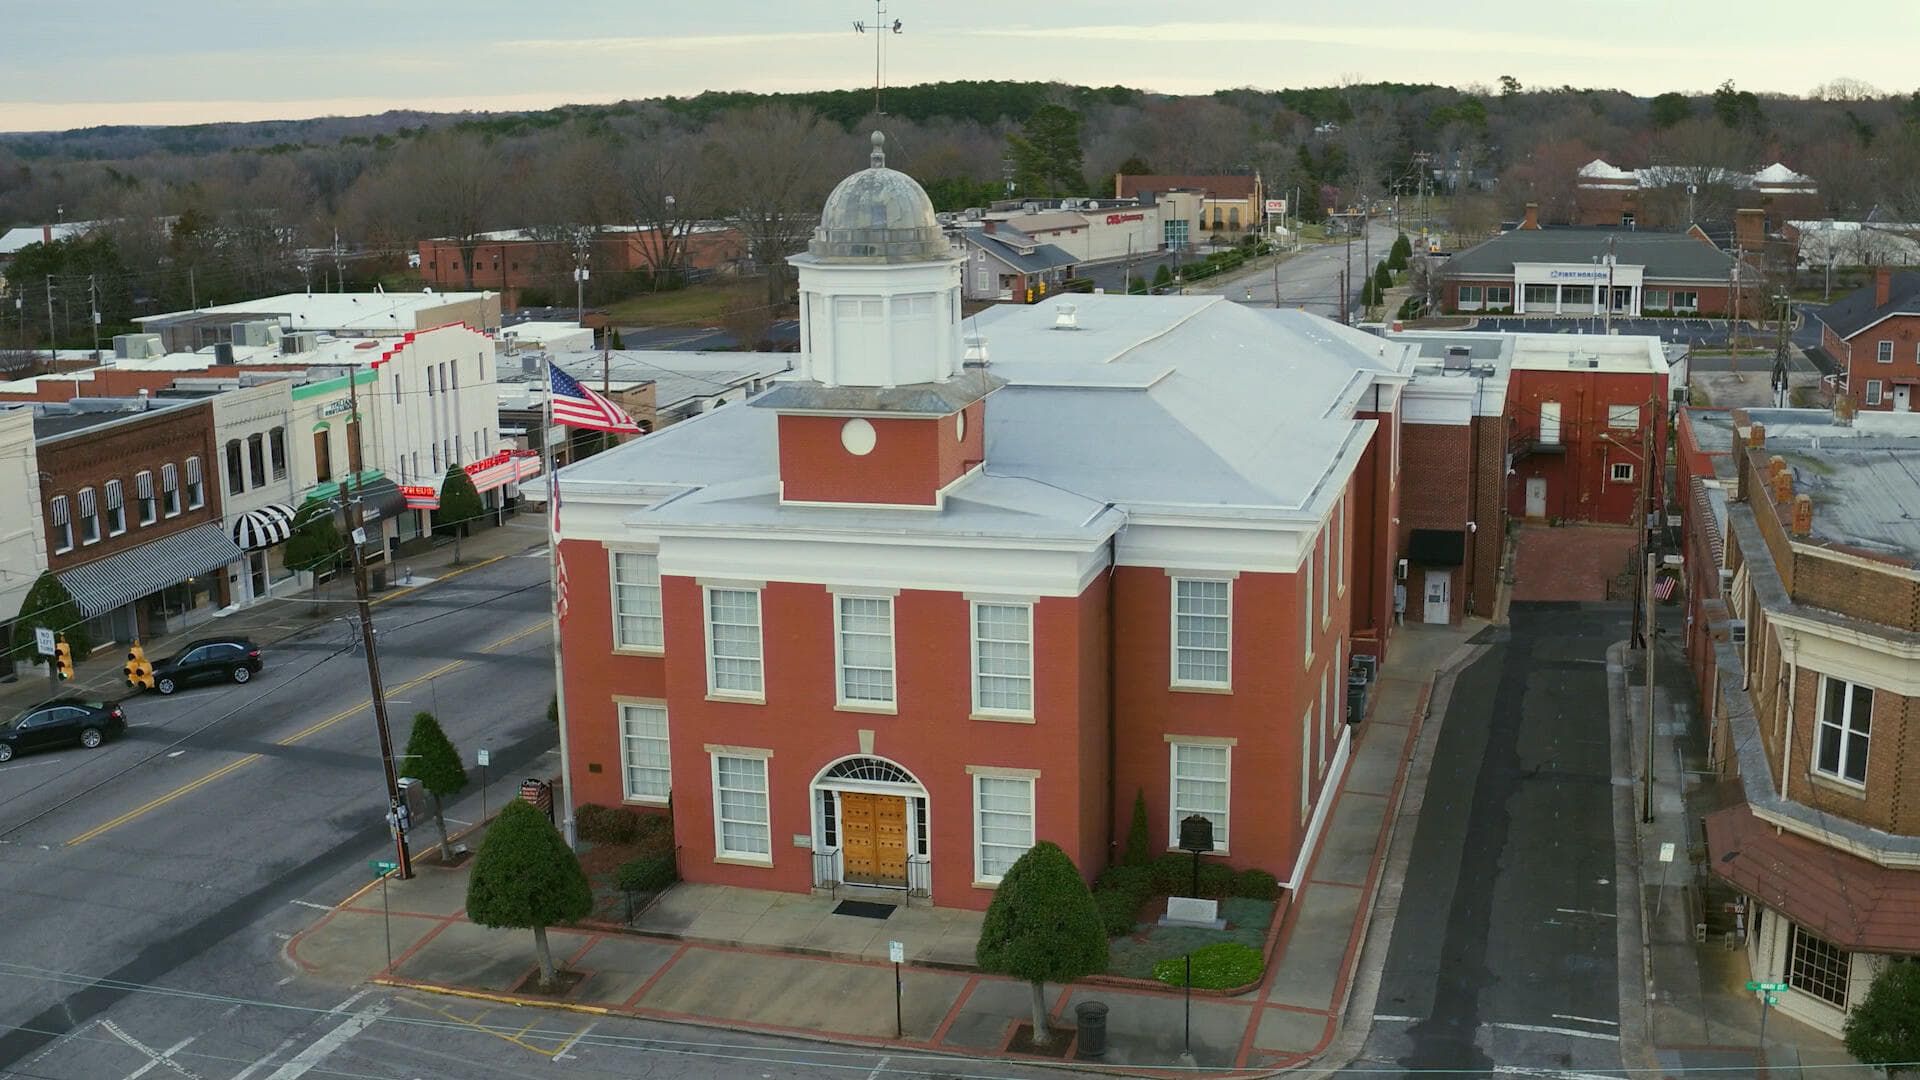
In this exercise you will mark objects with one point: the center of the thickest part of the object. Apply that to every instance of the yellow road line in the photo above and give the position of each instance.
(518, 1038)
(195, 785)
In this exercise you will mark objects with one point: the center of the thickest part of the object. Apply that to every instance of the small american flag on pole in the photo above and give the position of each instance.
(576, 406)
(553, 538)
(1663, 587)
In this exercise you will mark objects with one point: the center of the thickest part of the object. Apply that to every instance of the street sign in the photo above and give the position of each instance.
(1772, 1000)
(1666, 852)
(383, 867)
(484, 757)
(1756, 987)
(43, 640)
(896, 952)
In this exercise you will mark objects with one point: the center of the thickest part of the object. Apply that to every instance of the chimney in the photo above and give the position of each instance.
(1749, 229)
(989, 226)
(1533, 216)
(1757, 435)
(1802, 515)
(1783, 486)
(1776, 465)
(1882, 285)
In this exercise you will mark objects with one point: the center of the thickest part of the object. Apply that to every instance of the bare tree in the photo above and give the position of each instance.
(770, 178)
(665, 196)
(443, 186)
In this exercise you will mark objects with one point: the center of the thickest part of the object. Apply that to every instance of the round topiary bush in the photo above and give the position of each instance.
(1224, 965)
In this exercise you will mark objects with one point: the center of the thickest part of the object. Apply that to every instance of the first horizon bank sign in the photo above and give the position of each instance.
(1576, 275)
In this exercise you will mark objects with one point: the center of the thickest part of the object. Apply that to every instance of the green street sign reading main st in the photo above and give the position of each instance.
(381, 867)
(1757, 987)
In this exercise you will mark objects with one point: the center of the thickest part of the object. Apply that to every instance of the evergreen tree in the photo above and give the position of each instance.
(1042, 926)
(459, 506)
(526, 878)
(433, 760)
(1402, 251)
(1669, 109)
(1139, 841)
(1046, 153)
(1382, 281)
(1884, 1029)
(49, 604)
(1163, 276)
(315, 545)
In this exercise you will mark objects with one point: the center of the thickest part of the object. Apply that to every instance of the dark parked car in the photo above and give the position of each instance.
(61, 722)
(208, 660)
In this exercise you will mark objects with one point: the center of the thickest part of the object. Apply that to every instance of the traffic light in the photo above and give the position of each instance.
(63, 660)
(139, 671)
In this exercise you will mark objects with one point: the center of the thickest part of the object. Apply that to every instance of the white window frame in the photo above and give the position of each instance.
(974, 640)
(721, 851)
(1623, 417)
(116, 500)
(1883, 352)
(758, 658)
(1873, 391)
(60, 520)
(1843, 726)
(143, 493)
(1550, 408)
(842, 698)
(1340, 542)
(1175, 615)
(196, 484)
(651, 625)
(1622, 472)
(1306, 603)
(1324, 551)
(1177, 812)
(631, 740)
(1309, 738)
(170, 490)
(1032, 784)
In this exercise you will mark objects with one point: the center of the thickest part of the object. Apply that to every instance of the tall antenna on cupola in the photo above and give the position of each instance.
(880, 30)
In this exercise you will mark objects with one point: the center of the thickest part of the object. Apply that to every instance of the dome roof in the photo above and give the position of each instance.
(878, 215)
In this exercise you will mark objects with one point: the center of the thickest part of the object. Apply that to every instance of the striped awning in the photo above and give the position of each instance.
(269, 525)
(125, 576)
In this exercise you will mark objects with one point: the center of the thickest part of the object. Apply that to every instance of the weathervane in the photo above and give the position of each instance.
(880, 30)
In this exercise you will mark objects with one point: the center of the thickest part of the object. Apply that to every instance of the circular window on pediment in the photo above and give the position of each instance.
(858, 437)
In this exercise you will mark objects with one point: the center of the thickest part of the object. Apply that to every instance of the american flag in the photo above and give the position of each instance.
(576, 406)
(1663, 587)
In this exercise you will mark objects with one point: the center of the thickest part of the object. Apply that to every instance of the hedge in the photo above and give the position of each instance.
(649, 873)
(1224, 965)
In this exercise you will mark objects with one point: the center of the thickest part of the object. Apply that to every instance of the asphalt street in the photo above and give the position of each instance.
(1311, 279)
(1502, 959)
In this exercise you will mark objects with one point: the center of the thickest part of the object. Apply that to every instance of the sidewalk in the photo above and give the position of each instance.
(786, 964)
(1697, 1012)
(270, 621)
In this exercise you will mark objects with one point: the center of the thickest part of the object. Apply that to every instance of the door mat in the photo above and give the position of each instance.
(865, 909)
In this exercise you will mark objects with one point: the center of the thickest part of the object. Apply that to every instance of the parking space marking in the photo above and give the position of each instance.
(477, 1024)
(566, 1048)
(154, 1057)
(1586, 1019)
(322, 1048)
(1542, 1029)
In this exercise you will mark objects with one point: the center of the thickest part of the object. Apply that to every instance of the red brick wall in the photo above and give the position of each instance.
(1376, 502)
(1579, 480)
(119, 451)
(904, 466)
(1863, 362)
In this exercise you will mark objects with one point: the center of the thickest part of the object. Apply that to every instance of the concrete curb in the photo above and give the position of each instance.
(1377, 930)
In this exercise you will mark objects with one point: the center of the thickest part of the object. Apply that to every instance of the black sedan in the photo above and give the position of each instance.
(208, 660)
(62, 722)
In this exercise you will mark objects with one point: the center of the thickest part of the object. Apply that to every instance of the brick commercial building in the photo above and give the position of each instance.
(1453, 506)
(926, 601)
(23, 540)
(1585, 410)
(130, 496)
(378, 314)
(510, 260)
(1564, 271)
(1657, 196)
(1873, 335)
(1812, 692)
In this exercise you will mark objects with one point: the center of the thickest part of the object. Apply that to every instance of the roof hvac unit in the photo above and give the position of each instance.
(300, 341)
(1458, 358)
(252, 332)
(975, 213)
(529, 364)
(137, 346)
(1737, 631)
(223, 352)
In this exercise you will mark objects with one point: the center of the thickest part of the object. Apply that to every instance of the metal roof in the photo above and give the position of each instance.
(1665, 256)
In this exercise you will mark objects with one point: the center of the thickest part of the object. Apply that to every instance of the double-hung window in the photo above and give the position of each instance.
(116, 509)
(636, 601)
(1202, 632)
(1623, 417)
(236, 476)
(277, 450)
(646, 774)
(1003, 659)
(1885, 352)
(733, 643)
(1873, 391)
(60, 521)
(196, 485)
(257, 459)
(741, 827)
(89, 517)
(1306, 603)
(1002, 823)
(1340, 544)
(864, 646)
(170, 487)
(1200, 786)
(1846, 720)
(143, 489)
(1326, 577)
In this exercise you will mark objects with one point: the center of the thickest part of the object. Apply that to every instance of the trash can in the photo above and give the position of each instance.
(1092, 1018)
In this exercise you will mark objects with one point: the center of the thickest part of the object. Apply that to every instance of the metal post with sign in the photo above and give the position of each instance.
(484, 758)
(385, 869)
(43, 643)
(897, 952)
(1768, 992)
(1666, 860)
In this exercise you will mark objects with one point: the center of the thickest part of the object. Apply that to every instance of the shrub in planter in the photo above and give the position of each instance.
(649, 873)
(1172, 872)
(1223, 965)
(1256, 885)
(1139, 842)
(1216, 879)
(606, 824)
(1119, 909)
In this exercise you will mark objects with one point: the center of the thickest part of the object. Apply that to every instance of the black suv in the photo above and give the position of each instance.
(59, 723)
(208, 660)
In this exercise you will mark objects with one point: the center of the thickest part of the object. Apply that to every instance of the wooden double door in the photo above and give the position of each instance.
(873, 838)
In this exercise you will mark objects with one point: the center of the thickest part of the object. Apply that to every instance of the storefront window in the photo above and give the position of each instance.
(1818, 967)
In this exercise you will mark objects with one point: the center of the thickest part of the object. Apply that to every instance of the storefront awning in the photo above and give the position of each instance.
(125, 576)
(1437, 547)
(379, 500)
(262, 528)
(1856, 904)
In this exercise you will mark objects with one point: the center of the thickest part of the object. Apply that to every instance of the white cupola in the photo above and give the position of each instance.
(879, 285)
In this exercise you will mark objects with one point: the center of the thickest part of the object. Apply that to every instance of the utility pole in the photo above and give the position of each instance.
(1608, 308)
(1276, 282)
(1733, 328)
(356, 536)
(1645, 518)
(93, 309)
(1344, 295)
(53, 340)
(580, 284)
(1783, 310)
(1653, 637)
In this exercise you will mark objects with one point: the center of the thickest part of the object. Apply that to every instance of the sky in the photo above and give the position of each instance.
(67, 64)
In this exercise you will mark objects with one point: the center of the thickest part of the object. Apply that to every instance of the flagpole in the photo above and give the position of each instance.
(553, 563)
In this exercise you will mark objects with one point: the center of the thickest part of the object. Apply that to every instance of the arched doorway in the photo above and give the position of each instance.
(870, 826)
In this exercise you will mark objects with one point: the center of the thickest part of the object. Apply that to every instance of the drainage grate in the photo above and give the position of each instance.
(865, 909)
